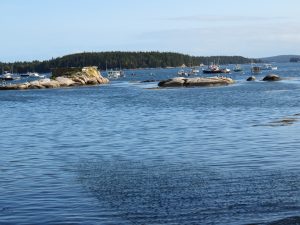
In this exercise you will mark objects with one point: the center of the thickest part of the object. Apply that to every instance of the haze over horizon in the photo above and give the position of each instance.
(39, 30)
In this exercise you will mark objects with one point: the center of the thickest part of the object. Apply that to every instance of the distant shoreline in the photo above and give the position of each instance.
(124, 60)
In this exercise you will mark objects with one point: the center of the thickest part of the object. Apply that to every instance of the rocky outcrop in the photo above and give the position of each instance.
(63, 77)
(272, 77)
(197, 81)
(252, 78)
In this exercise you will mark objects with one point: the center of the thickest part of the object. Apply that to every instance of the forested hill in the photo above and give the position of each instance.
(125, 60)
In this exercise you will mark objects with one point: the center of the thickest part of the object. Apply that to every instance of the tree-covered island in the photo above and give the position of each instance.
(125, 60)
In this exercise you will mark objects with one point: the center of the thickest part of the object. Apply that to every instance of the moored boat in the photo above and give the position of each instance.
(237, 68)
(255, 69)
(193, 71)
(225, 70)
(213, 68)
(268, 67)
(182, 73)
(6, 76)
(33, 74)
(115, 74)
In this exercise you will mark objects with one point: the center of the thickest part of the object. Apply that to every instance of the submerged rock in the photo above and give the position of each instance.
(252, 78)
(63, 77)
(197, 81)
(271, 77)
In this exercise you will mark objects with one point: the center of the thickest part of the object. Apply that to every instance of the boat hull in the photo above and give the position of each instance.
(6, 78)
(213, 71)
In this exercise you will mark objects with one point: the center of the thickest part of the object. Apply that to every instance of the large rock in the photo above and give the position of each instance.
(174, 82)
(272, 77)
(64, 81)
(197, 81)
(35, 85)
(84, 76)
(252, 78)
(64, 77)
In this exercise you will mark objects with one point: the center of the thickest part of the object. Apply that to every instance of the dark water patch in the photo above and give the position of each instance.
(287, 121)
(183, 194)
(284, 122)
(287, 221)
(294, 220)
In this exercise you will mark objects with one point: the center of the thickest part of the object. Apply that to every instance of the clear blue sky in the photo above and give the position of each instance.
(42, 29)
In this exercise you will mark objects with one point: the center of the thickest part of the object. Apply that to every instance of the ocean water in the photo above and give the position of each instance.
(128, 153)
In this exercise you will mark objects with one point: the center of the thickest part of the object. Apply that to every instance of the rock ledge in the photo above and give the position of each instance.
(63, 77)
(194, 82)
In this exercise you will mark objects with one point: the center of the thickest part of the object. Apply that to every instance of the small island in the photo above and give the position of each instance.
(63, 77)
(196, 81)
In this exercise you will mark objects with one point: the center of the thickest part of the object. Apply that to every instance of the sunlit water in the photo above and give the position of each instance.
(125, 153)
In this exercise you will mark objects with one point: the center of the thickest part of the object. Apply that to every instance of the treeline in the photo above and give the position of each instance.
(125, 60)
(294, 59)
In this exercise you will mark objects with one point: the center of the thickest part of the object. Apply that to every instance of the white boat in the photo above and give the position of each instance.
(6, 76)
(225, 70)
(237, 68)
(194, 70)
(33, 74)
(115, 74)
(268, 67)
(182, 73)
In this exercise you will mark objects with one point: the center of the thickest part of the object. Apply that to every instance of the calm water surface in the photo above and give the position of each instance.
(126, 154)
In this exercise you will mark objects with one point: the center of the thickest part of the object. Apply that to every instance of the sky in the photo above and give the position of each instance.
(45, 29)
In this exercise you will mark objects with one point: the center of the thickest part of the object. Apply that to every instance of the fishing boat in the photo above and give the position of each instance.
(115, 74)
(213, 68)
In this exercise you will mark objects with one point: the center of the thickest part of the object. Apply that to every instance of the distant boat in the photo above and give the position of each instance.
(268, 67)
(213, 68)
(6, 76)
(182, 73)
(115, 74)
(238, 68)
(255, 69)
(225, 70)
(194, 70)
(33, 74)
